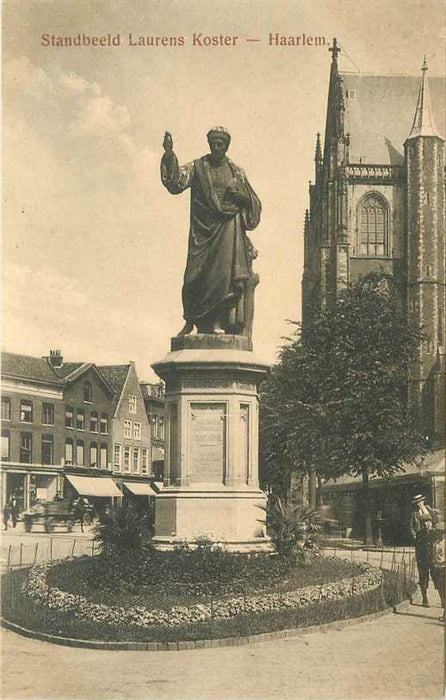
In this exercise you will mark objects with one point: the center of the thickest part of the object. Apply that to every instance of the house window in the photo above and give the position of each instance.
(428, 270)
(80, 419)
(26, 448)
(93, 454)
(132, 403)
(80, 453)
(88, 395)
(161, 429)
(427, 198)
(117, 458)
(6, 408)
(69, 417)
(128, 428)
(5, 446)
(69, 451)
(26, 411)
(145, 461)
(127, 458)
(137, 430)
(104, 424)
(47, 449)
(136, 457)
(48, 414)
(104, 456)
(372, 226)
(94, 422)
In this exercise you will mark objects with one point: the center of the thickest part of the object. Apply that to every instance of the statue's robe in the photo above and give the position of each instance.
(220, 253)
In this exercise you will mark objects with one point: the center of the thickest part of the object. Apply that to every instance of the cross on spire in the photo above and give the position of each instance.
(424, 66)
(335, 50)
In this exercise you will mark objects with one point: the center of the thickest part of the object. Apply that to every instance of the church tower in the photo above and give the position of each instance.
(425, 261)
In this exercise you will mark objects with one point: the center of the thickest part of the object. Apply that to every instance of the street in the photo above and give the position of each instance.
(396, 656)
(19, 547)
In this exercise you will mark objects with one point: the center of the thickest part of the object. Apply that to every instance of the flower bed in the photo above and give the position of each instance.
(37, 589)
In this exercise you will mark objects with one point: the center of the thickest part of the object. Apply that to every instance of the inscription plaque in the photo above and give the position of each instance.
(207, 442)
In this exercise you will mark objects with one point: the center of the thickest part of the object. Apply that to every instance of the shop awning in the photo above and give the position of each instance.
(139, 489)
(94, 486)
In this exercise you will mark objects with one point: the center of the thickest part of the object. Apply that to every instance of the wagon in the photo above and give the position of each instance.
(49, 514)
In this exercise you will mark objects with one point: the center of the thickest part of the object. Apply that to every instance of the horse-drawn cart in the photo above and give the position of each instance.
(50, 514)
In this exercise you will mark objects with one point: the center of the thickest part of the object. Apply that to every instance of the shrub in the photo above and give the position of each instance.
(120, 532)
(294, 529)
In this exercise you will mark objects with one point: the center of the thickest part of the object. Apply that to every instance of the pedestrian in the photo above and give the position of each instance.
(6, 515)
(14, 511)
(79, 511)
(422, 522)
(438, 563)
(106, 517)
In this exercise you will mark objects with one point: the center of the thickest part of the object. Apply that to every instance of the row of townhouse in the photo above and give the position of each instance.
(75, 428)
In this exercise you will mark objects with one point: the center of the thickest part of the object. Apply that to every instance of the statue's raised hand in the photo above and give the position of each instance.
(168, 142)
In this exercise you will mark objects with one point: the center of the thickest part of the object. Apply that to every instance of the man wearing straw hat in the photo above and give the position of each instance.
(423, 520)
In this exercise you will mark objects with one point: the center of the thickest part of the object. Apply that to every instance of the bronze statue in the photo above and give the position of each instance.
(219, 283)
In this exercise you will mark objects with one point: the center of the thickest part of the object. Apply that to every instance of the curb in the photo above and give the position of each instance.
(200, 643)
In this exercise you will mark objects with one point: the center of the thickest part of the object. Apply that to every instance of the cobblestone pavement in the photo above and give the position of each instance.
(396, 656)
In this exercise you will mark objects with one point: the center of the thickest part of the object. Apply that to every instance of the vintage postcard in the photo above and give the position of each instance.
(303, 141)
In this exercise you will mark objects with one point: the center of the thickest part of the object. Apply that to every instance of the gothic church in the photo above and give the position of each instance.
(378, 201)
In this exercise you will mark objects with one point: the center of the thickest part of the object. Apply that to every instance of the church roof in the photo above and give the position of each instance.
(379, 114)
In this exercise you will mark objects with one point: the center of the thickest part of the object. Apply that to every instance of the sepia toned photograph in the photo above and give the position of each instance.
(223, 372)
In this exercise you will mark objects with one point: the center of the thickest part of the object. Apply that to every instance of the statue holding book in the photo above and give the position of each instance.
(219, 282)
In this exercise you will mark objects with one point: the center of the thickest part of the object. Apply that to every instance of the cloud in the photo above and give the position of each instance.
(83, 117)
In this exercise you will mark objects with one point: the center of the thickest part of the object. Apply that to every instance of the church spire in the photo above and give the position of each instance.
(423, 123)
(318, 153)
(318, 158)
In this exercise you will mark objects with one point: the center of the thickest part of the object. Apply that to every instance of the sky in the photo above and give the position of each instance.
(94, 248)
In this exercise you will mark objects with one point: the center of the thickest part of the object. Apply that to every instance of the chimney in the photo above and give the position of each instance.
(55, 359)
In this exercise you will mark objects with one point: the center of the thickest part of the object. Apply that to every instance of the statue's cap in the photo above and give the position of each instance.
(219, 132)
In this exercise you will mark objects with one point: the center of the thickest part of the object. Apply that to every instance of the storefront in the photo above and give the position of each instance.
(100, 491)
(29, 485)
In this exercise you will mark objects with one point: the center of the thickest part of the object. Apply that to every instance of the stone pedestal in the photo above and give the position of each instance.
(211, 469)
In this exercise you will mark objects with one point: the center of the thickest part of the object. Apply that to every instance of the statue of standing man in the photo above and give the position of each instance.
(219, 282)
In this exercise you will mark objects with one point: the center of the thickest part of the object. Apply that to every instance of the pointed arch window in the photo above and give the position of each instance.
(373, 226)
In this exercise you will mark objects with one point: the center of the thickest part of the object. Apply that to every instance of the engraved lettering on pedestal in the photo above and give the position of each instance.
(207, 442)
(206, 383)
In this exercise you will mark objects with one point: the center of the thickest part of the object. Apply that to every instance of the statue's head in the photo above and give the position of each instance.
(219, 139)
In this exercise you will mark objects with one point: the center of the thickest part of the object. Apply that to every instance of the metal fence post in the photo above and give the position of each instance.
(92, 548)
(72, 548)
(21, 554)
(51, 548)
(35, 552)
(9, 557)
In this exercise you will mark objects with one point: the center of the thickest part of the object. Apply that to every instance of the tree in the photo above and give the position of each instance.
(336, 403)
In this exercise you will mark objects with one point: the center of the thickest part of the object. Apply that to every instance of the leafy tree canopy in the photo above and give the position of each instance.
(336, 403)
